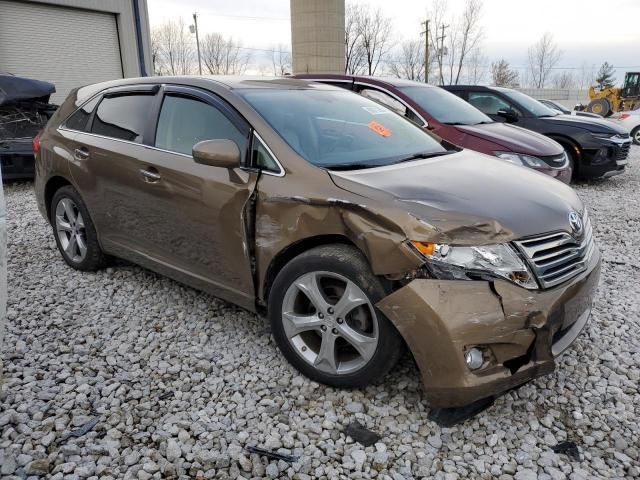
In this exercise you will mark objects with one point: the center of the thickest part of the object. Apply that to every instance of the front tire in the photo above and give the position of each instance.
(635, 135)
(601, 106)
(74, 231)
(324, 320)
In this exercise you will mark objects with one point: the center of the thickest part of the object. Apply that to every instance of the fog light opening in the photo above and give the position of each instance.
(474, 358)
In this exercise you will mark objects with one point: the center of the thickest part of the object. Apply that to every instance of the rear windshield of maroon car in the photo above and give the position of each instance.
(445, 107)
(332, 128)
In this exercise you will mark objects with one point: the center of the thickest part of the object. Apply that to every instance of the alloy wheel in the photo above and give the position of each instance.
(330, 322)
(70, 229)
(636, 136)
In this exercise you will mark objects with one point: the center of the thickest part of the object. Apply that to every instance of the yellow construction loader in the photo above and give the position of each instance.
(609, 100)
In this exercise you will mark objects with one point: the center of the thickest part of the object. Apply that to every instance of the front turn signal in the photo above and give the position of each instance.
(425, 248)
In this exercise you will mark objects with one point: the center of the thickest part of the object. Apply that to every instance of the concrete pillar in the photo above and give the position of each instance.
(317, 36)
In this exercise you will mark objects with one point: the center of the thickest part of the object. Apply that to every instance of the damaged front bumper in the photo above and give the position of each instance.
(519, 331)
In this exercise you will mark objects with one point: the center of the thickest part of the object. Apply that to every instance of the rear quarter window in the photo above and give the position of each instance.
(80, 119)
(123, 117)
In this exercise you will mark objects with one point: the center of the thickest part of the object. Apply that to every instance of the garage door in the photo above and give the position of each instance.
(66, 46)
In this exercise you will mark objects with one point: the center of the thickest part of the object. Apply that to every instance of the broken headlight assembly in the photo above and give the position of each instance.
(473, 263)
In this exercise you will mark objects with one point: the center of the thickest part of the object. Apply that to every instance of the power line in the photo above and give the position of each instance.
(250, 17)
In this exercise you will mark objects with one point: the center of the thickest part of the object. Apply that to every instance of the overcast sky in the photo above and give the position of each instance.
(586, 30)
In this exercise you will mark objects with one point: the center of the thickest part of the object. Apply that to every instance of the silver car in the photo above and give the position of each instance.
(631, 121)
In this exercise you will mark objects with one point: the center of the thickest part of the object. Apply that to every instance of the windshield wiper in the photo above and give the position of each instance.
(420, 155)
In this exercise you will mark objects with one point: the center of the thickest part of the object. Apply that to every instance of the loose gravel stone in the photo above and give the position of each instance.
(181, 382)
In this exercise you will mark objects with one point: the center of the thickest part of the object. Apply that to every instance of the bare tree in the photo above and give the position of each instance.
(455, 38)
(281, 60)
(223, 56)
(543, 56)
(409, 63)
(586, 76)
(375, 35)
(564, 79)
(502, 75)
(465, 38)
(175, 48)
(476, 67)
(156, 52)
(353, 50)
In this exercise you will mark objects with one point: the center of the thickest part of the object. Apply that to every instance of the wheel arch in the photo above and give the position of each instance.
(576, 149)
(288, 253)
(54, 184)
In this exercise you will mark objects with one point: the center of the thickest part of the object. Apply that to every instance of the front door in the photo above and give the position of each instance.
(193, 213)
(490, 104)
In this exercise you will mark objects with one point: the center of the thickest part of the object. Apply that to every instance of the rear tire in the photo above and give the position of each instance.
(74, 231)
(635, 135)
(324, 320)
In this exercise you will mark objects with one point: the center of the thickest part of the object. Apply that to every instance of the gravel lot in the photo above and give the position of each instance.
(180, 382)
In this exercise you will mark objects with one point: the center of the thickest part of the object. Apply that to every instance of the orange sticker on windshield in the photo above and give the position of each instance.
(379, 129)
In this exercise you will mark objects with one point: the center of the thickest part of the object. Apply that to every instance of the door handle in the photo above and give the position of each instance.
(150, 175)
(81, 153)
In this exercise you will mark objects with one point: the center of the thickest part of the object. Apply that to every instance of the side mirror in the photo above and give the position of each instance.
(509, 115)
(217, 153)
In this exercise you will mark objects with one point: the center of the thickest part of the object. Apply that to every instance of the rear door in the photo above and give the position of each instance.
(108, 156)
(107, 148)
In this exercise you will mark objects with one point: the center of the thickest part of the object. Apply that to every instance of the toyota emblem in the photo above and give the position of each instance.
(575, 222)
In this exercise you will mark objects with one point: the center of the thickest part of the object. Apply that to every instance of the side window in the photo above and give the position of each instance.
(488, 103)
(414, 118)
(261, 158)
(384, 99)
(185, 121)
(124, 117)
(79, 120)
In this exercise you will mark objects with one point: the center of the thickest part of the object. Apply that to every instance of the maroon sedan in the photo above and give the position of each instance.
(458, 122)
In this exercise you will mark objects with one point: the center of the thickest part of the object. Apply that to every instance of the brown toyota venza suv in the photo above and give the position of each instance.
(354, 230)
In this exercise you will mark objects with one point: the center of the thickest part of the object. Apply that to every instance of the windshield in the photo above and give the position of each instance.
(557, 106)
(528, 103)
(445, 107)
(339, 129)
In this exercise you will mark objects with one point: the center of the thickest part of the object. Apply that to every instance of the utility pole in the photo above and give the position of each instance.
(195, 23)
(441, 52)
(426, 50)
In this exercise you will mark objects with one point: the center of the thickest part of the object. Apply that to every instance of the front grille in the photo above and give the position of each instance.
(558, 257)
(622, 152)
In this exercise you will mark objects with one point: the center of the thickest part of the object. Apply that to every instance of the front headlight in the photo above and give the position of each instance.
(521, 159)
(469, 263)
(604, 135)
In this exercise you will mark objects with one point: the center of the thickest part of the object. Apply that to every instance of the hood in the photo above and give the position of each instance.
(15, 89)
(594, 125)
(514, 138)
(468, 198)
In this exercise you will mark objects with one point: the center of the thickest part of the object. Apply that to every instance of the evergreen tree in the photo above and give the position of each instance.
(605, 78)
